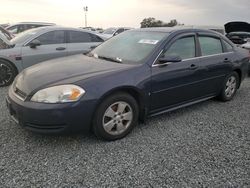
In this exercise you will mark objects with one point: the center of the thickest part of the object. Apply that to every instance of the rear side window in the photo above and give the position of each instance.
(79, 37)
(183, 47)
(229, 47)
(53, 37)
(210, 45)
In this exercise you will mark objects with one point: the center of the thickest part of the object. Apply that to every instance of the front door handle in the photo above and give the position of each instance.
(60, 48)
(193, 67)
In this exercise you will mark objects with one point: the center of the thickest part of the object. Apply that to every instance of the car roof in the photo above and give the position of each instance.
(38, 23)
(52, 28)
(175, 29)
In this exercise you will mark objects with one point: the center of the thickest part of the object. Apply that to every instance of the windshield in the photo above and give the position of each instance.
(110, 31)
(22, 37)
(130, 47)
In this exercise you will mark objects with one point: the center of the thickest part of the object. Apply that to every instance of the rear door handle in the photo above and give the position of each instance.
(226, 60)
(193, 67)
(60, 48)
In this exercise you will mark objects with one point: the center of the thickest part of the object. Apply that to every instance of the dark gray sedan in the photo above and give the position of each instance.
(41, 44)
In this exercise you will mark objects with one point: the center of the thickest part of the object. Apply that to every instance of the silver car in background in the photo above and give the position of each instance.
(24, 26)
(41, 44)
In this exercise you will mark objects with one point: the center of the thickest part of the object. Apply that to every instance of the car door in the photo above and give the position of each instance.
(216, 55)
(52, 46)
(79, 42)
(174, 84)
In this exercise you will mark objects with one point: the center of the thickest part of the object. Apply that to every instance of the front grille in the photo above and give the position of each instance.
(20, 94)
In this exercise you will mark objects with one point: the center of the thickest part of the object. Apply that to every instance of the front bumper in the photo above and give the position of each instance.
(51, 118)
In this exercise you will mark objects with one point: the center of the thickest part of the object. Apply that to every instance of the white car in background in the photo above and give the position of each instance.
(113, 31)
(247, 44)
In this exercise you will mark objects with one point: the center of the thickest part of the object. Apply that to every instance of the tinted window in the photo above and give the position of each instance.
(21, 28)
(184, 47)
(53, 37)
(210, 45)
(79, 37)
(95, 38)
(32, 26)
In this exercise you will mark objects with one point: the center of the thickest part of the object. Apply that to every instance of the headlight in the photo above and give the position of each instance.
(59, 94)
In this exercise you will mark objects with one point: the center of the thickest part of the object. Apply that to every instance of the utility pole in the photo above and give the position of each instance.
(85, 11)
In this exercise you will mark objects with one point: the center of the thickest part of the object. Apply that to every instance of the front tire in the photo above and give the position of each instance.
(7, 73)
(115, 117)
(230, 87)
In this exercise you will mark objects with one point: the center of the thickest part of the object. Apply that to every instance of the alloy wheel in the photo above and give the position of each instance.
(231, 86)
(117, 118)
(5, 74)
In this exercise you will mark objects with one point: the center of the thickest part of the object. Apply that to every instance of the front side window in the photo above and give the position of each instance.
(52, 37)
(79, 37)
(183, 47)
(210, 45)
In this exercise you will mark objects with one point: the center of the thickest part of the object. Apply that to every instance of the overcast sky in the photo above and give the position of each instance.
(107, 13)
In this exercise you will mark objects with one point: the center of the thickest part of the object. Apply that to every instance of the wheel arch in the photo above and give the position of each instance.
(239, 72)
(13, 64)
(135, 93)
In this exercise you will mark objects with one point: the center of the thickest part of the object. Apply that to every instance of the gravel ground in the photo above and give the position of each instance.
(206, 145)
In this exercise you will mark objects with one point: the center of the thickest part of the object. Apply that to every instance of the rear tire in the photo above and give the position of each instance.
(230, 87)
(116, 116)
(8, 73)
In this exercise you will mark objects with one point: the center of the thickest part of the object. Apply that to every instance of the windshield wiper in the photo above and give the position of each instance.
(117, 60)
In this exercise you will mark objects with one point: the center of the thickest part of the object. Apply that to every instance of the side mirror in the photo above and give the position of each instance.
(35, 43)
(169, 59)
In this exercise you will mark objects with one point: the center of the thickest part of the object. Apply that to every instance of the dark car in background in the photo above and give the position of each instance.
(24, 26)
(238, 32)
(139, 73)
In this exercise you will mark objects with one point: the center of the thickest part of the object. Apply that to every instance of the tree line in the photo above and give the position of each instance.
(152, 22)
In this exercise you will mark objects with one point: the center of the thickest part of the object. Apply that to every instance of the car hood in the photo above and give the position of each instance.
(237, 27)
(64, 71)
